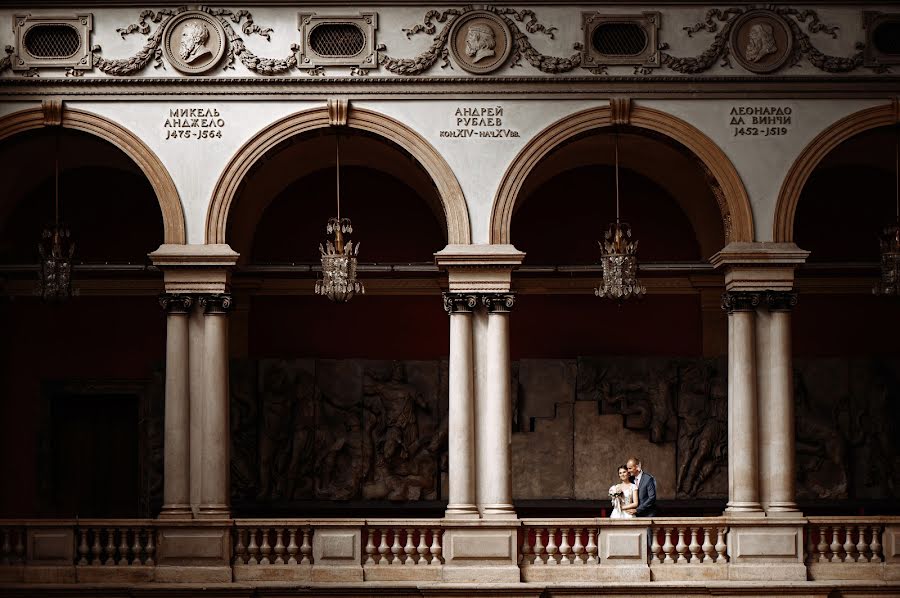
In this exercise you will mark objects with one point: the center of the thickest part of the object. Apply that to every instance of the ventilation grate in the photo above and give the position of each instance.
(886, 38)
(619, 39)
(52, 41)
(337, 39)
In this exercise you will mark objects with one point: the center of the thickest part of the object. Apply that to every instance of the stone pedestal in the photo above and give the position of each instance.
(192, 551)
(481, 553)
(337, 552)
(766, 551)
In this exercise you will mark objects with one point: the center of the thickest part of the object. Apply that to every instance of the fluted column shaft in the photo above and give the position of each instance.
(495, 498)
(776, 410)
(214, 458)
(461, 425)
(176, 437)
(743, 420)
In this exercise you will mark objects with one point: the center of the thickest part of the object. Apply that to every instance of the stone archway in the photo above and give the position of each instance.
(818, 148)
(449, 191)
(79, 120)
(737, 215)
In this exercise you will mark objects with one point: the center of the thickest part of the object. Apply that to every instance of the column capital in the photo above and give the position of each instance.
(217, 304)
(460, 303)
(781, 300)
(733, 301)
(498, 303)
(176, 303)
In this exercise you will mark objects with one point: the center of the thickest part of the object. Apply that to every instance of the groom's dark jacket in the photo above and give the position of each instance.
(646, 496)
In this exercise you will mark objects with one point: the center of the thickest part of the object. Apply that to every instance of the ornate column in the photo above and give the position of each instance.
(776, 407)
(214, 499)
(743, 453)
(176, 437)
(495, 497)
(461, 425)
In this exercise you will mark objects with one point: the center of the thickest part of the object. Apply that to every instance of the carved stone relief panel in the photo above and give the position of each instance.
(194, 42)
(761, 41)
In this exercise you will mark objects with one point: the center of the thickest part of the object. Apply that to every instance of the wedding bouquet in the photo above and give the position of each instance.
(615, 493)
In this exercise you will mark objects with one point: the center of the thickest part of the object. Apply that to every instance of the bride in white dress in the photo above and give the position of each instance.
(623, 496)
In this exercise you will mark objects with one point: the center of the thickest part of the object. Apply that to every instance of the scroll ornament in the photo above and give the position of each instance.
(152, 50)
(439, 48)
(802, 42)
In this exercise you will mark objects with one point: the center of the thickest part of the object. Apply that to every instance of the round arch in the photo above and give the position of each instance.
(737, 216)
(99, 126)
(812, 154)
(451, 195)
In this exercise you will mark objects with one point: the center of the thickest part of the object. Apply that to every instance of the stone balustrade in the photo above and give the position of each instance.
(414, 550)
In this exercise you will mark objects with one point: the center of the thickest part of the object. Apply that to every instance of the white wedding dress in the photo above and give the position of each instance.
(620, 501)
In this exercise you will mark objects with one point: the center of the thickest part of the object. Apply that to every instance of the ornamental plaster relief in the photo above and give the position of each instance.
(762, 158)
(546, 41)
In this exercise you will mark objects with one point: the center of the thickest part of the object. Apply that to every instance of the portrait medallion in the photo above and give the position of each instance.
(761, 41)
(194, 42)
(480, 41)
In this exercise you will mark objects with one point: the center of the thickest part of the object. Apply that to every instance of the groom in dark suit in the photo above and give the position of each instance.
(646, 488)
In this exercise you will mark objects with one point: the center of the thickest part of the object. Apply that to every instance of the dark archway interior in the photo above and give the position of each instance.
(80, 380)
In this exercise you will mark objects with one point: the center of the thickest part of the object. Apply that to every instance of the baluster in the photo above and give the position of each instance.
(564, 548)
(370, 546)
(83, 548)
(423, 547)
(591, 548)
(279, 546)
(264, 548)
(551, 546)
(436, 546)
(20, 546)
(707, 547)
(383, 548)
(578, 548)
(292, 546)
(835, 545)
(681, 547)
(876, 544)
(822, 546)
(849, 545)
(396, 549)
(720, 545)
(655, 547)
(694, 546)
(110, 548)
(668, 547)
(525, 550)
(136, 547)
(862, 547)
(240, 551)
(252, 548)
(151, 547)
(410, 548)
(306, 547)
(96, 550)
(538, 546)
(123, 546)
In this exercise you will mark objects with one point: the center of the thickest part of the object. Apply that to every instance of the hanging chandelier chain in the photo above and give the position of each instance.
(337, 152)
(616, 142)
(897, 172)
(56, 182)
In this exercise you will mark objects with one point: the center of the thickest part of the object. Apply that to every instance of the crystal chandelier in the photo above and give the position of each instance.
(618, 256)
(890, 240)
(56, 248)
(338, 281)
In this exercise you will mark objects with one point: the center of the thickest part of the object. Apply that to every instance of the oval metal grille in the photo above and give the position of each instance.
(619, 39)
(52, 41)
(886, 38)
(337, 39)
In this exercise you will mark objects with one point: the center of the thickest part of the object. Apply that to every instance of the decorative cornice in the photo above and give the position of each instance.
(53, 112)
(217, 304)
(759, 254)
(781, 300)
(733, 301)
(176, 304)
(498, 303)
(459, 303)
(194, 256)
(501, 256)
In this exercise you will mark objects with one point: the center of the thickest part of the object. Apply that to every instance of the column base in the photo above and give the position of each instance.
(744, 509)
(214, 512)
(461, 511)
(782, 509)
(177, 511)
(498, 511)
